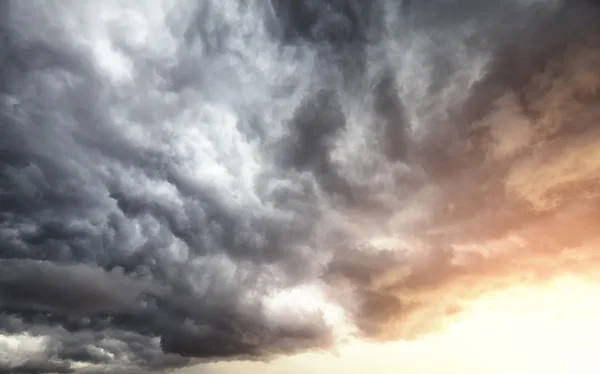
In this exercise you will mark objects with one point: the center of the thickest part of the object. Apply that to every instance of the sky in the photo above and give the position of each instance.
(291, 187)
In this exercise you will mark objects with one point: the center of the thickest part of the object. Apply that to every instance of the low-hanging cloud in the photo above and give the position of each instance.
(171, 173)
(74, 289)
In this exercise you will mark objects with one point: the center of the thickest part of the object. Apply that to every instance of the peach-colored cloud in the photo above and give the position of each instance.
(526, 214)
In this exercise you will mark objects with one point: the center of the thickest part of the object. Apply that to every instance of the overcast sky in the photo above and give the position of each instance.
(189, 185)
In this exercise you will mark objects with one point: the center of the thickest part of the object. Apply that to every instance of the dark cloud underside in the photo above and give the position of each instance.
(168, 172)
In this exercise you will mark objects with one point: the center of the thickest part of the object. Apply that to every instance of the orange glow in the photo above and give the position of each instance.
(547, 329)
(551, 328)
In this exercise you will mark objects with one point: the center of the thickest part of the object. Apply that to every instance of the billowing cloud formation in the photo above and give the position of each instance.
(70, 288)
(184, 181)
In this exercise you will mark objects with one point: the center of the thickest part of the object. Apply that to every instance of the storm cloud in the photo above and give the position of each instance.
(191, 181)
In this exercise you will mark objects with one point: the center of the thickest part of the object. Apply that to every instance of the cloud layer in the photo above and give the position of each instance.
(189, 181)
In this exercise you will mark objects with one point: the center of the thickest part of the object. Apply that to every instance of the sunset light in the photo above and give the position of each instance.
(299, 187)
(547, 328)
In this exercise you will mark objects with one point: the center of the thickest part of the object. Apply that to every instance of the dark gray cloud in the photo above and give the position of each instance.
(68, 289)
(36, 368)
(171, 174)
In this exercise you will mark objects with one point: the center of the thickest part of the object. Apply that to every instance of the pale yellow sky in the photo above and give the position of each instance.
(359, 358)
(549, 330)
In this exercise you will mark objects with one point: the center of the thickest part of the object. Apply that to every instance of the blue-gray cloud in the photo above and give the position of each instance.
(166, 169)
